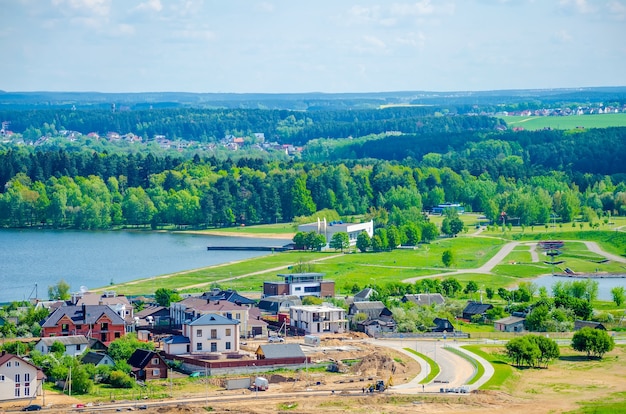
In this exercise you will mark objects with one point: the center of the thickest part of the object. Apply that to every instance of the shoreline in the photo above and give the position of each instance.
(285, 236)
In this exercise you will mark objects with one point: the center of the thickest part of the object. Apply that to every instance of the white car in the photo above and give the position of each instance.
(273, 339)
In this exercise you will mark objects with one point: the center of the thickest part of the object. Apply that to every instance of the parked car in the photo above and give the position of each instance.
(32, 407)
(273, 339)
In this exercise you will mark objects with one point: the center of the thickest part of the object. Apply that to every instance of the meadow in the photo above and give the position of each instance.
(533, 123)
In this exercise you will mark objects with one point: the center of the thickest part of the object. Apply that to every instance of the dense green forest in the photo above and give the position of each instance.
(387, 164)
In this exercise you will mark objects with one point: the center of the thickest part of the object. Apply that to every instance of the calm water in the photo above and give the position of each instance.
(604, 285)
(94, 259)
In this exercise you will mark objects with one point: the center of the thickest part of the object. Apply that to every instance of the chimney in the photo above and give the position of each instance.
(84, 313)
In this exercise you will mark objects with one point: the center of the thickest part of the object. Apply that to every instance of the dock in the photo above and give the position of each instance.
(251, 248)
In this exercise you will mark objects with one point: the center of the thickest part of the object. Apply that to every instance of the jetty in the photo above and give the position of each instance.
(251, 248)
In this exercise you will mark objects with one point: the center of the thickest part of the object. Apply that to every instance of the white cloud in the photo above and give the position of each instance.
(578, 6)
(562, 36)
(150, 6)
(194, 34)
(265, 7)
(420, 8)
(412, 39)
(617, 9)
(84, 7)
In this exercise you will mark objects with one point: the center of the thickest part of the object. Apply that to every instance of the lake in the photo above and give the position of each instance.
(604, 284)
(32, 260)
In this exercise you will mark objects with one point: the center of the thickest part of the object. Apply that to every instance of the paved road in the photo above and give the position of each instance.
(593, 246)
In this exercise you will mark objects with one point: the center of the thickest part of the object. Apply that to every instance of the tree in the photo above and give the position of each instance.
(429, 232)
(164, 296)
(60, 291)
(451, 286)
(471, 287)
(489, 291)
(57, 348)
(122, 348)
(363, 241)
(596, 342)
(340, 241)
(312, 300)
(618, 295)
(447, 257)
(534, 350)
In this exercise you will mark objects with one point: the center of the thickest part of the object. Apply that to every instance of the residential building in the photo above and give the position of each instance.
(510, 324)
(373, 309)
(176, 345)
(228, 295)
(93, 321)
(212, 333)
(280, 351)
(364, 295)
(424, 299)
(97, 359)
(578, 324)
(19, 379)
(152, 316)
(276, 304)
(442, 325)
(147, 365)
(475, 308)
(75, 345)
(300, 284)
(329, 229)
(374, 327)
(193, 307)
(119, 303)
(315, 319)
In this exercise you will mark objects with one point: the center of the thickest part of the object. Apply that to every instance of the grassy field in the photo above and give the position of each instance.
(503, 372)
(286, 229)
(533, 123)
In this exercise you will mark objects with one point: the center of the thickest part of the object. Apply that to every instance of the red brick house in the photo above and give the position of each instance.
(94, 321)
(147, 365)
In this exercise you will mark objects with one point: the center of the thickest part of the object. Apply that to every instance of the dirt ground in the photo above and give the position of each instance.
(553, 390)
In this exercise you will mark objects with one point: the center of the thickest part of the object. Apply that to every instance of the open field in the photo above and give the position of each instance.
(533, 123)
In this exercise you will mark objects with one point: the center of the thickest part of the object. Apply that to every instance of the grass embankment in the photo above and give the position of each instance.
(434, 367)
(479, 370)
(502, 370)
(286, 230)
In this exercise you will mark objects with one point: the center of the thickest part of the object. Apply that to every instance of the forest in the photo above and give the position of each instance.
(387, 164)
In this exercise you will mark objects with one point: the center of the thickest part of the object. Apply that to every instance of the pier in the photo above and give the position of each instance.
(251, 248)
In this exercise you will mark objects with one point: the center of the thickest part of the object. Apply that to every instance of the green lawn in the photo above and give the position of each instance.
(533, 123)
(287, 229)
(502, 370)
(434, 367)
(616, 403)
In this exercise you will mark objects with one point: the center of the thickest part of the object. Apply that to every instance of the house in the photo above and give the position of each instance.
(329, 229)
(18, 378)
(97, 345)
(212, 333)
(364, 295)
(510, 324)
(588, 324)
(176, 345)
(97, 359)
(74, 344)
(300, 284)
(147, 365)
(151, 316)
(281, 303)
(119, 303)
(424, 299)
(441, 208)
(193, 307)
(315, 319)
(373, 310)
(442, 325)
(475, 308)
(93, 321)
(228, 295)
(374, 327)
(281, 351)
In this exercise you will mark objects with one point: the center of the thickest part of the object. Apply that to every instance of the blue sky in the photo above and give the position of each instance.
(310, 46)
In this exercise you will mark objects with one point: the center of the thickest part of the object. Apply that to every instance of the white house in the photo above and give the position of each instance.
(18, 378)
(212, 333)
(315, 319)
(329, 229)
(176, 345)
(74, 344)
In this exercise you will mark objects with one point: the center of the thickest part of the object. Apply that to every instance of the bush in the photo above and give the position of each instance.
(119, 379)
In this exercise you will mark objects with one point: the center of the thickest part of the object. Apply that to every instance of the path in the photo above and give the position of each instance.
(593, 247)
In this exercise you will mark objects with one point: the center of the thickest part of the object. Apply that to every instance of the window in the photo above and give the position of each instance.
(227, 345)
(26, 391)
(227, 331)
(117, 334)
(156, 372)
(27, 378)
(79, 326)
(213, 346)
(199, 346)
(78, 347)
(17, 363)
(104, 326)
(199, 333)
(65, 327)
(17, 378)
(17, 392)
(9, 364)
(213, 333)
(238, 316)
(229, 315)
(1, 378)
(155, 361)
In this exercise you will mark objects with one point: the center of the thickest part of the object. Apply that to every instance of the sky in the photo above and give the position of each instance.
(296, 46)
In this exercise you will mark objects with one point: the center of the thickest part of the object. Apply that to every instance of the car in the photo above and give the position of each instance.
(32, 407)
(273, 339)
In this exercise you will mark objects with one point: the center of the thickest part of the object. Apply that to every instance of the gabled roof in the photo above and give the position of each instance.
(213, 319)
(477, 308)
(228, 295)
(65, 340)
(176, 339)
(208, 305)
(578, 324)
(364, 294)
(377, 305)
(150, 310)
(91, 315)
(94, 358)
(510, 320)
(278, 351)
(141, 357)
(424, 299)
(6, 357)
